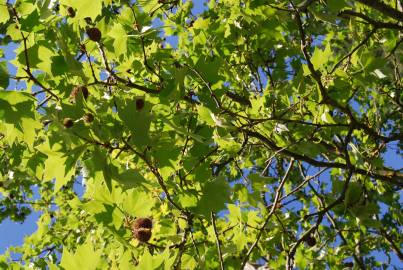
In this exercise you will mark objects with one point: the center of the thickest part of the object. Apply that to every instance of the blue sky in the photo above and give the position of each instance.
(12, 234)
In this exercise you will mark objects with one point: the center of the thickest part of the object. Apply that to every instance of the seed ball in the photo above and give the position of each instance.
(311, 241)
(68, 122)
(85, 92)
(142, 234)
(142, 223)
(71, 12)
(94, 34)
(139, 104)
(88, 118)
(82, 89)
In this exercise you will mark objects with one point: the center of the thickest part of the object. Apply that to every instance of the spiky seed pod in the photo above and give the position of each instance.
(78, 89)
(144, 223)
(88, 118)
(310, 240)
(141, 229)
(142, 234)
(94, 34)
(71, 12)
(68, 122)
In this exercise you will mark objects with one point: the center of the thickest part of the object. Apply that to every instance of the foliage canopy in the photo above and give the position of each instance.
(251, 133)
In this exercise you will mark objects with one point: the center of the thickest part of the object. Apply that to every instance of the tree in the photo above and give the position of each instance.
(250, 132)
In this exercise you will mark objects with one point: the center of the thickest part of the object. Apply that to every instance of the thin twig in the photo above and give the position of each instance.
(217, 241)
(27, 68)
(157, 174)
(273, 209)
(353, 50)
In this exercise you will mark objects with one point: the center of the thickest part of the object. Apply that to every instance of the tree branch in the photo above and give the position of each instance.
(217, 241)
(376, 24)
(353, 50)
(272, 210)
(387, 175)
(383, 8)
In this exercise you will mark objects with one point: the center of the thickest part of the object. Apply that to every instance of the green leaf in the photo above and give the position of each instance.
(55, 167)
(138, 121)
(17, 110)
(215, 195)
(119, 35)
(320, 57)
(205, 115)
(4, 15)
(84, 8)
(130, 178)
(137, 203)
(59, 65)
(85, 257)
(4, 79)
(156, 261)
(201, 24)
(31, 22)
(209, 67)
(336, 5)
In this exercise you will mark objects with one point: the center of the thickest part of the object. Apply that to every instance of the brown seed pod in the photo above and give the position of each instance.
(82, 89)
(68, 122)
(142, 234)
(139, 104)
(94, 34)
(71, 12)
(310, 240)
(142, 223)
(88, 118)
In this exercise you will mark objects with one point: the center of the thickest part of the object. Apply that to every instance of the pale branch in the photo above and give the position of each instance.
(387, 175)
(356, 257)
(350, 171)
(270, 214)
(320, 214)
(182, 247)
(217, 241)
(303, 183)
